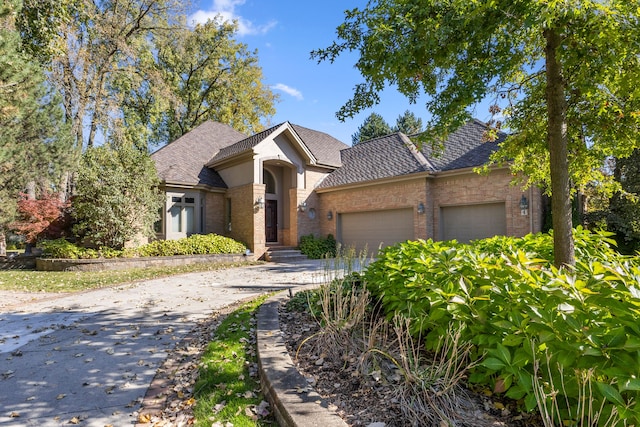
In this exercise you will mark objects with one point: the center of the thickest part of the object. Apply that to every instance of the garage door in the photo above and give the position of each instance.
(375, 228)
(465, 223)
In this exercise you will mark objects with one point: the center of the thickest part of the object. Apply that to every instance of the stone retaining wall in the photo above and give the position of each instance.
(49, 264)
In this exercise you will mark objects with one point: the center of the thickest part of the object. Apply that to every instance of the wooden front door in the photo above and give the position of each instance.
(271, 220)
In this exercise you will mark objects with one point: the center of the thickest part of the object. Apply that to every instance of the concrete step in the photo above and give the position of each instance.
(284, 254)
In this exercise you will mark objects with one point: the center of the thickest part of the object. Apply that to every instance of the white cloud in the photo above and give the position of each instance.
(225, 10)
(288, 90)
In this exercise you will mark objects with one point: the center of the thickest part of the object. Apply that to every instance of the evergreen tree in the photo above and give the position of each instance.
(408, 124)
(372, 127)
(34, 142)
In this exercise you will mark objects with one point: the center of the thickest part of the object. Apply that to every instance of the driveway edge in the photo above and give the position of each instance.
(288, 392)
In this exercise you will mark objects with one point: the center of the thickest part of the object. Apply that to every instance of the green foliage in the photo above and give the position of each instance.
(623, 217)
(564, 76)
(408, 124)
(226, 387)
(192, 245)
(515, 307)
(34, 140)
(197, 244)
(117, 198)
(318, 247)
(373, 126)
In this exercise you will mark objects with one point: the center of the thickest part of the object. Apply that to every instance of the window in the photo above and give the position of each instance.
(182, 214)
(269, 182)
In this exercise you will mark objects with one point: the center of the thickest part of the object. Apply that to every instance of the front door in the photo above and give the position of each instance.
(271, 220)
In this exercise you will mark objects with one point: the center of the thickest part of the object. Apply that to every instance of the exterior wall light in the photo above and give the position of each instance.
(524, 206)
(420, 208)
(329, 215)
(260, 203)
(302, 206)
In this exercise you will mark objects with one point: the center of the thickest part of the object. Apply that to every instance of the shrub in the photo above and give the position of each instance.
(193, 245)
(517, 309)
(318, 247)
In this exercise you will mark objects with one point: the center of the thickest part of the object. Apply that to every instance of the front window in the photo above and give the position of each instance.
(182, 213)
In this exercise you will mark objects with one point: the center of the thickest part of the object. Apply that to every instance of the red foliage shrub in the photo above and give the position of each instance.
(45, 217)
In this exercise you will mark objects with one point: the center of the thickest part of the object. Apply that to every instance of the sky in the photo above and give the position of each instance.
(284, 32)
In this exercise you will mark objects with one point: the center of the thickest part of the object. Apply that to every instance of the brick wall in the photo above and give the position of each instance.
(403, 194)
(214, 213)
(472, 188)
(452, 190)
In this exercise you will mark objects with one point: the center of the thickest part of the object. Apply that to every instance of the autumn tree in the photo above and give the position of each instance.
(34, 141)
(133, 70)
(41, 217)
(202, 74)
(566, 74)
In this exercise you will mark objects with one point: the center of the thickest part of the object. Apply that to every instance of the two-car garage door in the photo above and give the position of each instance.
(465, 223)
(374, 228)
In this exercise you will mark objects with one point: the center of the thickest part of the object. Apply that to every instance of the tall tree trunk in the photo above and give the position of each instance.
(563, 247)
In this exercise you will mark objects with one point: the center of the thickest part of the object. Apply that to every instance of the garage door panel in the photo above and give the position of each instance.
(465, 223)
(374, 228)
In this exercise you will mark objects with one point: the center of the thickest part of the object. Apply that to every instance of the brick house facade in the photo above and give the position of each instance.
(288, 181)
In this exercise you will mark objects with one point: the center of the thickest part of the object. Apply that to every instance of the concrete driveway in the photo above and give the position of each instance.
(88, 358)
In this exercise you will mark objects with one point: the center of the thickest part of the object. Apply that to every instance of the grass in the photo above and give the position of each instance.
(74, 281)
(228, 391)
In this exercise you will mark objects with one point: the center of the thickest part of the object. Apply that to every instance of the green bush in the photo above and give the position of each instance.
(517, 309)
(318, 247)
(193, 245)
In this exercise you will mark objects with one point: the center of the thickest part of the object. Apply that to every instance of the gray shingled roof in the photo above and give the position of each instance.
(383, 157)
(465, 148)
(324, 147)
(395, 155)
(244, 145)
(183, 160)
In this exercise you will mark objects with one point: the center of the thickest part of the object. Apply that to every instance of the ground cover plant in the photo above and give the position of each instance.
(564, 340)
(197, 244)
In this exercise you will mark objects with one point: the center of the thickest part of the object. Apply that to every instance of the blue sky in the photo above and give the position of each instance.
(284, 32)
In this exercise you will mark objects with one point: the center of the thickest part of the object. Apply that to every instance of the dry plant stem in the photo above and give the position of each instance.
(432, 391)
(584, 412)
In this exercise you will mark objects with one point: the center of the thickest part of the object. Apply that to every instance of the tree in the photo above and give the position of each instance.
(372, 127)
(566, 73)
(85, 46)
(408, 124)
(205, 75)
(34, 141)
(117, 197)
(131, 70)
(45, 217)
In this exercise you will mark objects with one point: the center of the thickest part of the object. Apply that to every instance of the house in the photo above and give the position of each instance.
(288, 181)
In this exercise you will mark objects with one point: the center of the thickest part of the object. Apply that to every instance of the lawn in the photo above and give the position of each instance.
(74, 281)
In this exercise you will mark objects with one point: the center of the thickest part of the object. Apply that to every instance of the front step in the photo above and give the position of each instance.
(283, 254)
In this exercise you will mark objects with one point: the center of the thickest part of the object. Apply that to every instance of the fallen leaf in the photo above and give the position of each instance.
(49, 362)
(74, 420)
(110, 350)
(14, 415)
(144, 418)
(61, 396)
(30, 398)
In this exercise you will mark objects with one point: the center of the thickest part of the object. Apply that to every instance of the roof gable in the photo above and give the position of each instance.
(318, 147)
